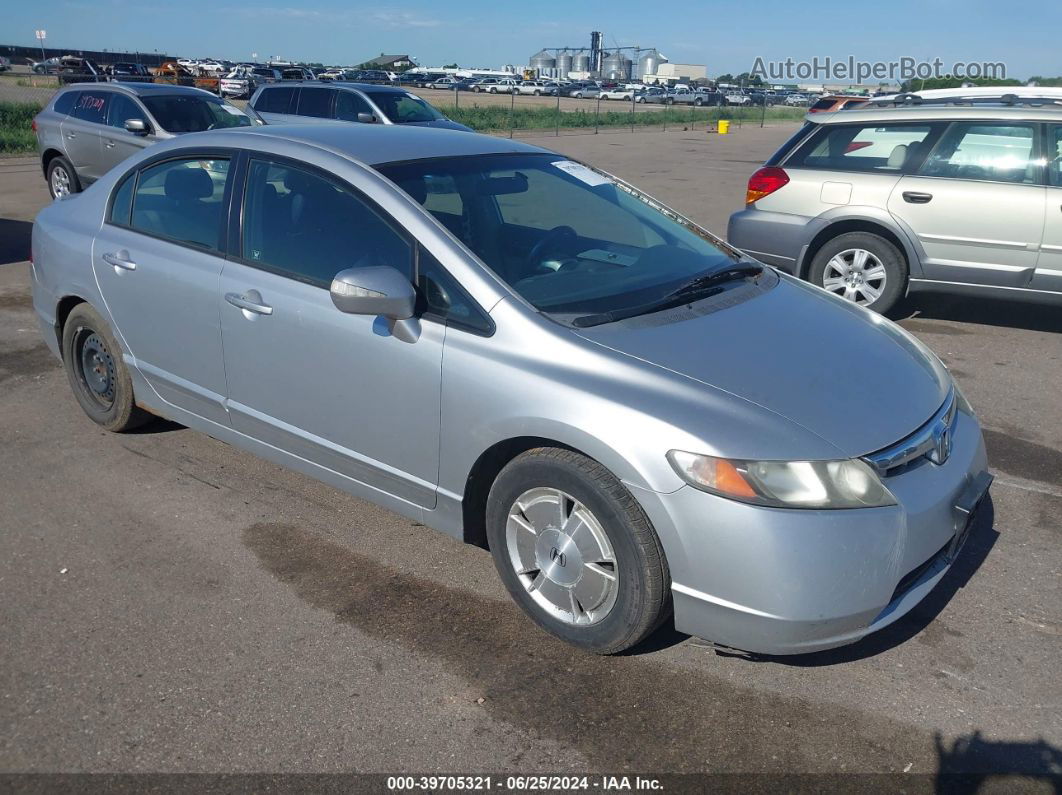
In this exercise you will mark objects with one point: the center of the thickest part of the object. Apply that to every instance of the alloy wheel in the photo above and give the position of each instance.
(60, 182)
(562, 556)
(856, 275)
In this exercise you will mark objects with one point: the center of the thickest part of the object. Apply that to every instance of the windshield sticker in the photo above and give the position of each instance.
(232, 109)
(582, 173)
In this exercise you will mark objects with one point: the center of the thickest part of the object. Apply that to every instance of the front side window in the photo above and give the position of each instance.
(985, 151)
(122, 109)
(566, 238)
(309, 227)
(91, 106)
(403, 108)
(181, 113)
(869, 147)
(316, 102)
(182, 200)
(349, 104)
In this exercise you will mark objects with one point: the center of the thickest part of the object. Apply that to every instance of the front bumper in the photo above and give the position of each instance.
(779, 581)
(775, 238)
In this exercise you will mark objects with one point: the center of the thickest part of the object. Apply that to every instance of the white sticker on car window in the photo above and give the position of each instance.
(232, 109)
(582, 173)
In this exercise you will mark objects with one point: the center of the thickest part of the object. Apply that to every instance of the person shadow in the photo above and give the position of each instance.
(971, 762)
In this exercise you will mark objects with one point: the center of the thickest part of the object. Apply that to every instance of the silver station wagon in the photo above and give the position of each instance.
(533, 356)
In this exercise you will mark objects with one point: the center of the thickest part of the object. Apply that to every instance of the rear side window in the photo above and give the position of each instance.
(985, 151)
(316, 102)
(275, 100)
(122, 201)
(64, 103)
(182, 200)
(91, 106)
(873, 147)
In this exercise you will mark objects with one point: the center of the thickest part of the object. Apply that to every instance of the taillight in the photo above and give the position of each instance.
(765, 182)
(33, 124)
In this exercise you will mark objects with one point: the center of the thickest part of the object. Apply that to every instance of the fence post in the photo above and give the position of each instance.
(632, 111)
(457, 97)
(597, 113)
(556, 131)
(763, 113)
(512, 109)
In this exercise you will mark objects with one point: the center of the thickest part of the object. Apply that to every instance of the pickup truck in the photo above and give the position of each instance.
(495, 85)
(536, 88)
(688, 96)
(173, 73)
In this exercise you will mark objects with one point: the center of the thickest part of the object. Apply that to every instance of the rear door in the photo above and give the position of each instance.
(158, 262)
(1048, 275)
(976, 204)
(82, 131)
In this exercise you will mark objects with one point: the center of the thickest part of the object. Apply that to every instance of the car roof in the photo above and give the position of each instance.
(371, 144)
(337, 84)
(928, 113)
(138, 89)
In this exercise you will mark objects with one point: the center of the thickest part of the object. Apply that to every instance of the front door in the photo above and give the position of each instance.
(339, 390)
(977, 204)
(118, 142)
(157, 263)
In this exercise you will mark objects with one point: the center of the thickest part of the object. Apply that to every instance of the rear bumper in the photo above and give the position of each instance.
(794, 581)
(775, 238)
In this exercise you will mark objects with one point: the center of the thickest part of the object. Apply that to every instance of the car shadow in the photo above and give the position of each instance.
(14, 240)
(155, 425)
(982, 311)
(971, 762)
(982, 538)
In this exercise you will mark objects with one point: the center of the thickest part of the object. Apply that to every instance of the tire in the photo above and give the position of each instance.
(105, 392)
(840, 268)
(492, 91)
(538, 93)
(698, 102)
(476, 89)
(62, 178)
(579, 604)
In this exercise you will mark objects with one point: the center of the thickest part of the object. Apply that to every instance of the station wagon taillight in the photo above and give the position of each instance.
(765, 182)
(33, 125)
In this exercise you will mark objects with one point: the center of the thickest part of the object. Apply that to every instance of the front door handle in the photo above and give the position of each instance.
(120, 260)
(71, 136)
(109, 144)
(242, 302)
(912, 197)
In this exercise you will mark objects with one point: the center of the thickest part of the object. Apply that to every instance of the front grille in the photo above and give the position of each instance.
(921, 445)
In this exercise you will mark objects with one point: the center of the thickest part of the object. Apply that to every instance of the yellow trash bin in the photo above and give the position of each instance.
(724, 126)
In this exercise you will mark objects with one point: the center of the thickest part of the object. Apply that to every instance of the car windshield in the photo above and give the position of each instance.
(403, 108)
(180, 113)
(568, 239)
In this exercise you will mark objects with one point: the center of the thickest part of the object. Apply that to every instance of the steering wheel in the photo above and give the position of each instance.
(557, 238)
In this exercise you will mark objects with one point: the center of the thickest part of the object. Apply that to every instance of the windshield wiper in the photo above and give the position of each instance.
(708, 283)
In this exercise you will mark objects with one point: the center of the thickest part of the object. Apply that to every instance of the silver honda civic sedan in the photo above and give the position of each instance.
(533, 356)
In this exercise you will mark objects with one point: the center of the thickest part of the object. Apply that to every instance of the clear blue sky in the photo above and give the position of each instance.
(725, 36)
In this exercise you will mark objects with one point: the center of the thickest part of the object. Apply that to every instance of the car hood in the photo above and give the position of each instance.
(442, 124)
(851, 377)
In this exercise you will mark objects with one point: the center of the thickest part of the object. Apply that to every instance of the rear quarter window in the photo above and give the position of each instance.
(275, 100)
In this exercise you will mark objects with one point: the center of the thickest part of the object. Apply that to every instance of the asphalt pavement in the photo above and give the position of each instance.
(169, 603)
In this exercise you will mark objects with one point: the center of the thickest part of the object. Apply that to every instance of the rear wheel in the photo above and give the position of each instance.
(97, 374)
(576, 551)
(861, 267)
(62, 179)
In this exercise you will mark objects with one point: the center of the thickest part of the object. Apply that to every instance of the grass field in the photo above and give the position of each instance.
(15, 133)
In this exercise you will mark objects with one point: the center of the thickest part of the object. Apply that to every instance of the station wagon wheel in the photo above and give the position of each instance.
(861, 267)
(576, 551)
(62, 179)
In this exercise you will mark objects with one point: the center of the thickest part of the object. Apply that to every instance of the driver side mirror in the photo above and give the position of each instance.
(377, 290)
(136, 126)
(366, 118)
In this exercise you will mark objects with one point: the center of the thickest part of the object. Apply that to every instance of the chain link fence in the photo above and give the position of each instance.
(514, 115)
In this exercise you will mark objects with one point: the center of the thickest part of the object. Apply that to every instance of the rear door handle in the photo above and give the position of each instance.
(71, 136)
(912, 197)
(241, 302)
(109, 144)
(120, 260)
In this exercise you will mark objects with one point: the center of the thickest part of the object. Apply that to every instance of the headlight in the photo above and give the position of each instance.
(785, 484)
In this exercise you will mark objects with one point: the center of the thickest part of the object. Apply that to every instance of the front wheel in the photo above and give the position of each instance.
(861, 267)
(698, 102)
(97, 374)
(538, 93)
(576, 551)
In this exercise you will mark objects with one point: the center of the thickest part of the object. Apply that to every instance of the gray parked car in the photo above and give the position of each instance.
(351, 102)
(873, 203)
(529, 354)
(84, 131)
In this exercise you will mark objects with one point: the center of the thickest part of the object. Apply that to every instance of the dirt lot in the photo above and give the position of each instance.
(172, 604)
